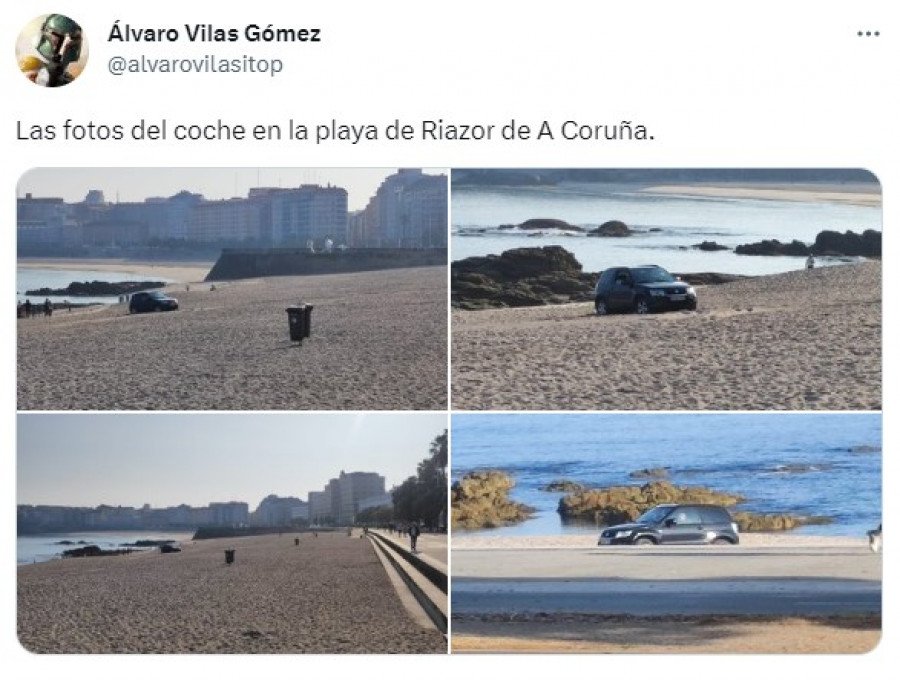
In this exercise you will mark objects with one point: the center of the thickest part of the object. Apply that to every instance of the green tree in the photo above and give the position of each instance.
(423, 498)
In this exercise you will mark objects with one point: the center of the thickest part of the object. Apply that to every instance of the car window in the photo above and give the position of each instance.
(686, 516)
(714, 516)
(652, 275)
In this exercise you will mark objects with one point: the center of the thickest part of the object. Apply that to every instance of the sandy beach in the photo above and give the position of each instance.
(183, 272)
(853, 194)
(329, 595)
(564, 594)
(379, 341)
(803, 340)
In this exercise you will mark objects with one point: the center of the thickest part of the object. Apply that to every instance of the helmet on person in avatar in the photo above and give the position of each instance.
(60, 40)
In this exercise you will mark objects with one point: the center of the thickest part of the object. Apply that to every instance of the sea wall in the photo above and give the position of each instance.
(247, 264)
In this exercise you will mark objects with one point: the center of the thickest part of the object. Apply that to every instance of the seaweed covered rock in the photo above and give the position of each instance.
(480, 500)
(611, 229)
(649, 473)
(867, 244)
(564, 485)
(620, 504)
(754, 522)
(522, 277)
(774, 247)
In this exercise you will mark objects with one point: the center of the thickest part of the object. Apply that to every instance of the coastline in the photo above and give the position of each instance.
(855, 194)
(177, 272)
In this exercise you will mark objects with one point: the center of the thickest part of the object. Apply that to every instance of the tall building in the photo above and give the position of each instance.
(409, 210)
(348, 490)
(277, 511)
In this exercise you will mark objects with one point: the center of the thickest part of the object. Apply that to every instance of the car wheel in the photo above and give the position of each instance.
(642, 306)
(600, 307)
(721, 541)
(644, 540)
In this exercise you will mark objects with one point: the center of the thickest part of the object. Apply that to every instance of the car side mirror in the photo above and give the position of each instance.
(671, 523)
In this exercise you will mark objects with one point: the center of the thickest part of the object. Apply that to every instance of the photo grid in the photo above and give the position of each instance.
(240, 430)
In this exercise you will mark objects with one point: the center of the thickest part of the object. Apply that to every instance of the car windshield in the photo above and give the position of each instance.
(651, 275)
(655, 515)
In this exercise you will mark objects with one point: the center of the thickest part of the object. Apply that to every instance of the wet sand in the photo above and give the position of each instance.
(329, 595)
(379, 341)
(803, 340)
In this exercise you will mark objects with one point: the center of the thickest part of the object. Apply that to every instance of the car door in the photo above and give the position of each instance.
(621, 294)
(683, 525)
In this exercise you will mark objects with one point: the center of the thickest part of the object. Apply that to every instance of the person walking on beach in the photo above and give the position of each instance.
(413, 536)
(810, 261)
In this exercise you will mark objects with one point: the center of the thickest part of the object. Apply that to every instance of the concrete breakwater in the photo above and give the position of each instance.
(245, 264)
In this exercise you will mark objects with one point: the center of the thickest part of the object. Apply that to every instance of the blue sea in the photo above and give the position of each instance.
(32, 279)
(806, 464)
(45, 547)
(678, 221)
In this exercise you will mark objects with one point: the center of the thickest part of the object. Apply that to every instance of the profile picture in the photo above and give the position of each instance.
(51, 50)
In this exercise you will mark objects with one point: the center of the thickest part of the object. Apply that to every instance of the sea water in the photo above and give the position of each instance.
(45, 547)
(678, 222)
(798, 463)
(33, 279)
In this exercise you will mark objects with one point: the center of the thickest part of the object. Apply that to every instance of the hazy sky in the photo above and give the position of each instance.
(196, 458)
(136, 184)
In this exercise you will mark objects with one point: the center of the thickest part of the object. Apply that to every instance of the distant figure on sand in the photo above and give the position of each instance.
(810, 262)
(413, 536)
(48, 307)
(875, 540)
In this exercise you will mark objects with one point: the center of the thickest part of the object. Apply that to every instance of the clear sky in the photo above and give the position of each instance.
(196, 458)
(136, 184)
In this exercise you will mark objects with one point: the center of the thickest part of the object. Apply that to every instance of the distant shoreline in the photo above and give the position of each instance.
(851, 194)
(181, 272)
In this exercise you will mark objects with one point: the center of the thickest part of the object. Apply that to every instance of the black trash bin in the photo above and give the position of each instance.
(296, 541)
(299, 321)
(229, 556)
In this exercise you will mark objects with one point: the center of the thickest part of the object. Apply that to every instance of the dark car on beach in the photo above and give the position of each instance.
(675, 524)
(645, 290)
(151, 302)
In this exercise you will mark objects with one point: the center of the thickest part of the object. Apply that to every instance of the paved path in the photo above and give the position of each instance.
(656, 581)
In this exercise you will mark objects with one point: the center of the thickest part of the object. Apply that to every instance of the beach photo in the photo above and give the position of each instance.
(232, 533)
(666, 289)
(666, 533)
(232, 289)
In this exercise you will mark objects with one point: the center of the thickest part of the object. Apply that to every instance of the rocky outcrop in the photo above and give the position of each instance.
(867, 244)
(623, 504)
(480, 500)
(828, 243)
(97, 288)
(620, 504)
(649, 473)
(523, 277)
(611, 229)
(542, 224)
(709, 246)
(563, 485)
(774, 247)
(753, 522)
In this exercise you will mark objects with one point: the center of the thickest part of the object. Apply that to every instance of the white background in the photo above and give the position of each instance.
(719, 84)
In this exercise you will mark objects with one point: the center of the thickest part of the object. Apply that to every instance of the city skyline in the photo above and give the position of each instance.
(166, 460)
(121, 185)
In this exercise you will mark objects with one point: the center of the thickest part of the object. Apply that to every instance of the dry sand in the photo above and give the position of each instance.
(804, 340)
(329, 595)
(852, 194)
(379, 341)
(578, 633)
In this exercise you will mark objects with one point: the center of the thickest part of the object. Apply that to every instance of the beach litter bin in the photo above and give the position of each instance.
(299, 321)
(296, 541)
(229, 556)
